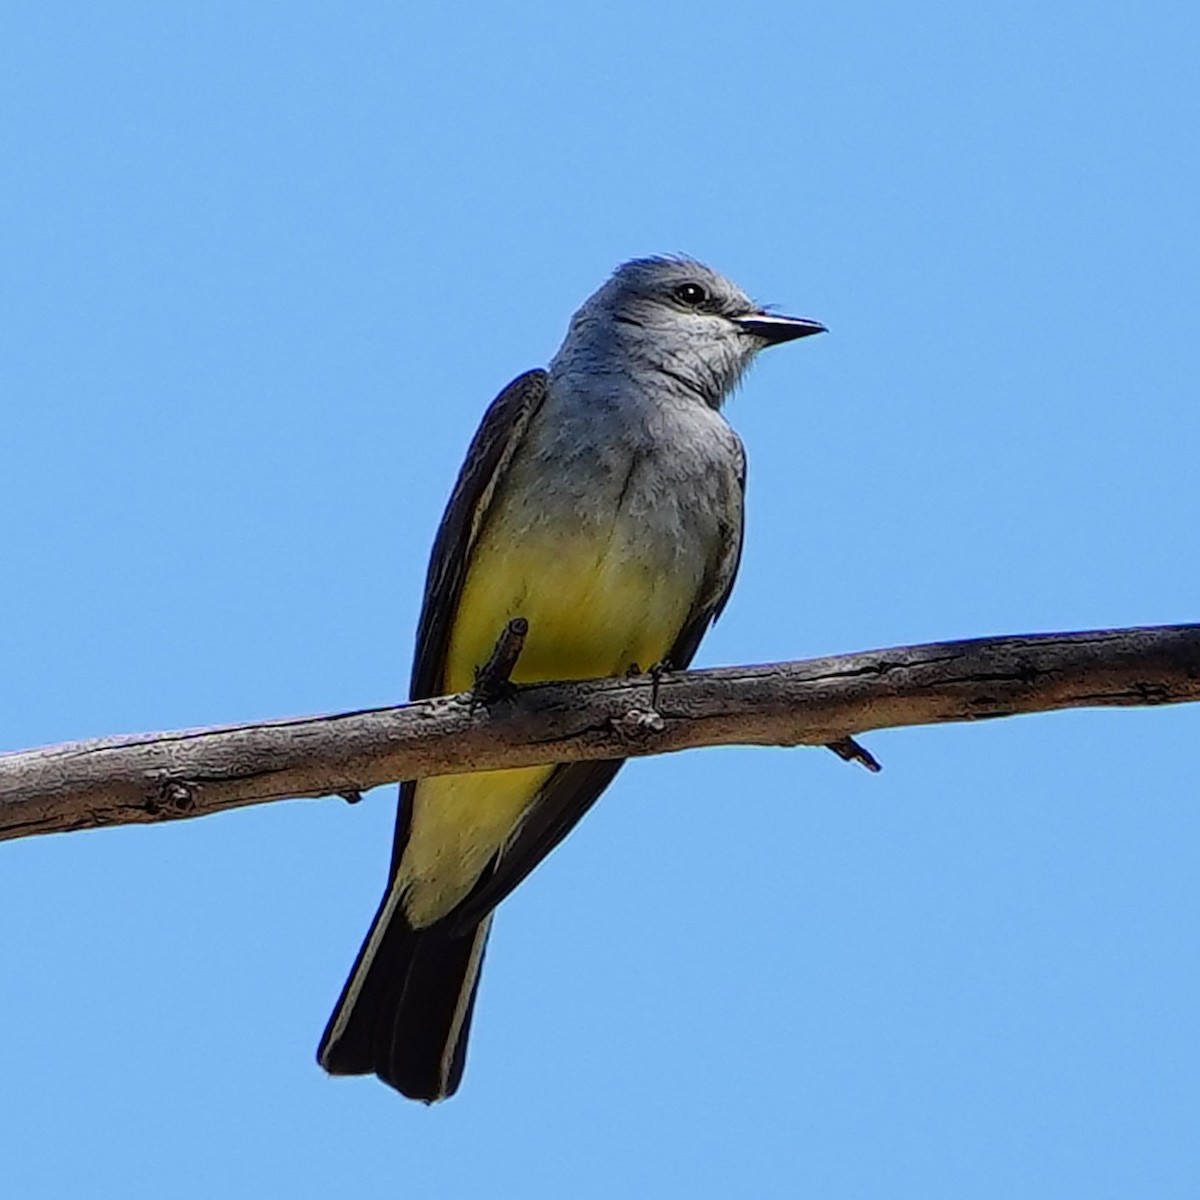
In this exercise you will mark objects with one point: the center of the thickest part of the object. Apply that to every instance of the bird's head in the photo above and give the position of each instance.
(679, 319)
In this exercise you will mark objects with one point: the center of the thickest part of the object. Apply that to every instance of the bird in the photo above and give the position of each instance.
(601, 502)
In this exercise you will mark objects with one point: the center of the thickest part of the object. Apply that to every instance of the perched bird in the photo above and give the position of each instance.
(601, 500)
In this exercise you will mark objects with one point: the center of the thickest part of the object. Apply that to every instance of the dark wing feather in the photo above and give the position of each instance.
(575, 787)
(497, 438)
(719, 586)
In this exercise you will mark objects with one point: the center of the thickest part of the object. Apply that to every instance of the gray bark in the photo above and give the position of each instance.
(162, 776)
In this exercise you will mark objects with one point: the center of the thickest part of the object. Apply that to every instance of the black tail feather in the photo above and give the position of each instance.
(405, 1012)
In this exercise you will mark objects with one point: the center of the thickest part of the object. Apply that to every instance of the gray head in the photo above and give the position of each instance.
(678, 319)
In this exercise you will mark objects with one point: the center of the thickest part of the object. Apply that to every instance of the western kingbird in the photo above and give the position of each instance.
(601, 500)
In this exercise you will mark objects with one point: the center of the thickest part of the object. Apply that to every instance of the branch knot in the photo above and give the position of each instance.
(638, 724)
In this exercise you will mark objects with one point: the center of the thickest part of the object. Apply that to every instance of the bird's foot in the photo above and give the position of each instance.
(658, 673)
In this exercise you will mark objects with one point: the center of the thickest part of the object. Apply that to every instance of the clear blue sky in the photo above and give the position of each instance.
(264, 266)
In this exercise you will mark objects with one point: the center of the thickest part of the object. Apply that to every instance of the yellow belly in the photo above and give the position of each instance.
(592, 611)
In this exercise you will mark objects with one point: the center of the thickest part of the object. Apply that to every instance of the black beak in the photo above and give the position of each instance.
(775, 330)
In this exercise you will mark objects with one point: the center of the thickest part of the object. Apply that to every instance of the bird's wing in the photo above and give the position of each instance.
(488, 456)
(574, 787)
(714, 595)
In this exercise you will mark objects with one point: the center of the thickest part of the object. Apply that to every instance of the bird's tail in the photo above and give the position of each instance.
(405, 1011)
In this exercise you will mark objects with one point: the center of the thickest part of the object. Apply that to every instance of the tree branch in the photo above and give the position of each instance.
(162, 776)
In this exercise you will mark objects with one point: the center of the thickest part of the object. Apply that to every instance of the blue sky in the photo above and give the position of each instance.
(265, 264)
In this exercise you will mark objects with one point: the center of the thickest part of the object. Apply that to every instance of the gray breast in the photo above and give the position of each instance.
(660, 473)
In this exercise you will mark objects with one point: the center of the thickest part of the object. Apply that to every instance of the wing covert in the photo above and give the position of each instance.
(490, 451)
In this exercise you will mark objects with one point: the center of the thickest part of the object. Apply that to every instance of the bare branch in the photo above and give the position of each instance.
(155, 777)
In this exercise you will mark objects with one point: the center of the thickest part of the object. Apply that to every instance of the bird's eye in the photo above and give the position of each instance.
(691, 294)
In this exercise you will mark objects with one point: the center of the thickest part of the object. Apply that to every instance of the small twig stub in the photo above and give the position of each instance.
(848, 750)
(494, 678)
